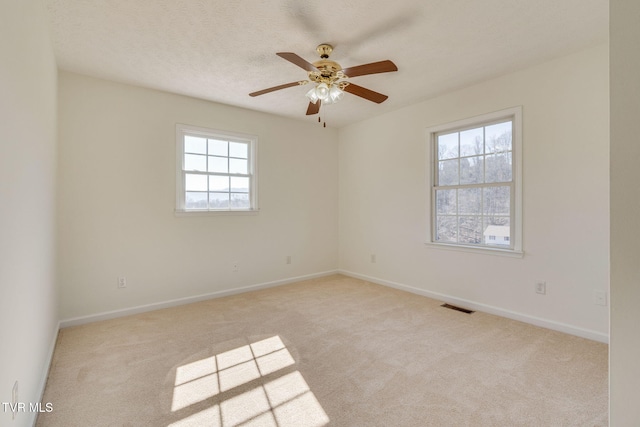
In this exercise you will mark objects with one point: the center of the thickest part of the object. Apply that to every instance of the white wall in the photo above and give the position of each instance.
(384, 199)
(28, 296)
(624, 367)
(117, 200)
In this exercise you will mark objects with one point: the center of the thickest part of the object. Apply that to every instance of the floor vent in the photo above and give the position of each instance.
(453, 307)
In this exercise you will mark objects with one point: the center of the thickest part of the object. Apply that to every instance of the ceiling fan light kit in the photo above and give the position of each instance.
(331, 79)
(326, 94)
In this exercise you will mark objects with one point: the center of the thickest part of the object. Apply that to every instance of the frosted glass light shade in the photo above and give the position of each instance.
(322, 90)
(312, 95)
(335, 93)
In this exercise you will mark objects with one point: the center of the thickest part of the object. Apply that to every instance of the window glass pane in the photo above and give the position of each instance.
(238, 149)
(474, 183)
(470, 230)
(218, 148)
(448, 146)
(239, 184)
(497, 231)
(469, 201)
(218, 174)
(218, 164)
(497, 200)
(219, 200)
(448, 172)
(237, 166)
(471, 142)
(447, 229)
(498, 137)
(218, 183)
(193, 144)
(195, 182)
(195, 162)
(472, 170)
(446, 202)
(240, 200)
(195, 200)
(498, 168)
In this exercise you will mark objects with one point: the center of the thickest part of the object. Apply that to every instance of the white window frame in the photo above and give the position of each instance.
(183, 130)
(515, 114)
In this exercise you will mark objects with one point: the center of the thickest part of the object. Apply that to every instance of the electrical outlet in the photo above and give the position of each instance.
(373, 258)
(122, 282)
(288, 259)
(600, 297)
(541, 288)
(235, 267)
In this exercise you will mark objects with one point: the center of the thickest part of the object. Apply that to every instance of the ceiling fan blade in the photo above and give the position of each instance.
(372, 68)
(272, 89)
(295, 59)
(365, 93)
(313, 108)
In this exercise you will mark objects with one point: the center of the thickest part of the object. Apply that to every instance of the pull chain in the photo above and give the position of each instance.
(324, 124)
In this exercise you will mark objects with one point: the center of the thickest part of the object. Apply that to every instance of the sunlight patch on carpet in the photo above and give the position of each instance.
(285, 401)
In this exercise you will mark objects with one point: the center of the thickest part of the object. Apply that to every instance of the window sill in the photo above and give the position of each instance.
(477, 250)
(187, 213)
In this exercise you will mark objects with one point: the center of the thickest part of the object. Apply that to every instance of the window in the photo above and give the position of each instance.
(216, 171)
(476, 185)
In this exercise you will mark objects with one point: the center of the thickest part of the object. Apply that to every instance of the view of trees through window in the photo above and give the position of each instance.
(474, 185)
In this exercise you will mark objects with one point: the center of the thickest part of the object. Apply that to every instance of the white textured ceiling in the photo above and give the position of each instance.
(223, 50)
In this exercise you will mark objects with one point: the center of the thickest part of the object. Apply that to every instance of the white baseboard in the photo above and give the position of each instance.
(45, 372)
(75, 321)
(537, 321)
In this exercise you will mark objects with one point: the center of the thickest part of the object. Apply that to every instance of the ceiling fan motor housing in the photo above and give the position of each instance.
(328, 70)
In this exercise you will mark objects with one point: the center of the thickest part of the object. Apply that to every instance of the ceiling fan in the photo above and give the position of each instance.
(330, 79)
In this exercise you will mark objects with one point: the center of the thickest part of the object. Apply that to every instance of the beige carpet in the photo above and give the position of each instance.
(332, 351)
